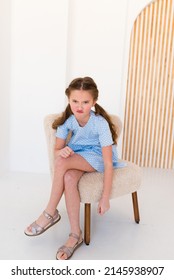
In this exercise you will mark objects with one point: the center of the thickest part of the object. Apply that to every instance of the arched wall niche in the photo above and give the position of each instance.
(149, 104)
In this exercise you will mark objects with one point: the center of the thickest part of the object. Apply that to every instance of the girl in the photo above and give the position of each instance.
(92, 147)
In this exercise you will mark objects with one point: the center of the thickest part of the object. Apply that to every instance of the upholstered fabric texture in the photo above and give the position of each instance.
(125, 180)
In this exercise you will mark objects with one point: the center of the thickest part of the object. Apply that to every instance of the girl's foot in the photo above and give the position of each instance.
(44, 222)
(67, 250)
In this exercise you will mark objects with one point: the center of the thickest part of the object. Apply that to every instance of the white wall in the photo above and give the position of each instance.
(5, 25)
(96, 43)
(39, 42)
(53, 41)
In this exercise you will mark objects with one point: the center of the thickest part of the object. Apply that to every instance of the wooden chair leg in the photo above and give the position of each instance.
(87, 222)
(135, 207)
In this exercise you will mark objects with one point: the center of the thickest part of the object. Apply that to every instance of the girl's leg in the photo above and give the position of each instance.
(72, 200)
(62, 165)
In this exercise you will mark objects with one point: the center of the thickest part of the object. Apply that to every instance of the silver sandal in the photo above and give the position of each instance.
(37, 230)
(69, 251)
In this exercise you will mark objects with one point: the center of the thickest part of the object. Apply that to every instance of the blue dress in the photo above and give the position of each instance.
(88, 140)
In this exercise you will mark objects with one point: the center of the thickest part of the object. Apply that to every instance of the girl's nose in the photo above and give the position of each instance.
(80, 106)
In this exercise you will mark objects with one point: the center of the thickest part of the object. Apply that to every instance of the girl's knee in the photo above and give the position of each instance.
(70, 179)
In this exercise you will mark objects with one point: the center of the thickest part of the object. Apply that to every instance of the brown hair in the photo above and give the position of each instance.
(87, 84)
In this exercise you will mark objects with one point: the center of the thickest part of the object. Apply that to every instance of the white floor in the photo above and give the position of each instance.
(115, 236)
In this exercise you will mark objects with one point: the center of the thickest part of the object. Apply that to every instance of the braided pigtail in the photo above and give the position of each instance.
(100, 111)
(60, 120)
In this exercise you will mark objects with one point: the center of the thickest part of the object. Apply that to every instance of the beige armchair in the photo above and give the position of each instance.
(126, 180)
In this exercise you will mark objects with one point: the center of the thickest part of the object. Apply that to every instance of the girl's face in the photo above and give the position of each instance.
(81, 102)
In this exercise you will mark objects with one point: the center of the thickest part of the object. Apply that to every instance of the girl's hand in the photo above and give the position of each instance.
(103, 206)
(65, 152)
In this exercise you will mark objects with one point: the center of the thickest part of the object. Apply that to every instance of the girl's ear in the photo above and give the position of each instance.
(95, 101)
(94, 105)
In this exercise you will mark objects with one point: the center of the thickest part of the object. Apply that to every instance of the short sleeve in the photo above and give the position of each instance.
(62, 131)
(105, 136)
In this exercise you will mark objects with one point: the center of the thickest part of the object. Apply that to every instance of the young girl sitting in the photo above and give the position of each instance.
(92, 147)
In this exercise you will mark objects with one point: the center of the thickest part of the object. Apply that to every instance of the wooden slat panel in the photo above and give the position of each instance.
(149, 108)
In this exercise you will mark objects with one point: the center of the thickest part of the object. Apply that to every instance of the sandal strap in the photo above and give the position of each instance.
(70, 250)
(35, 228)
(47, 215)
(67, 250)
(74, 235)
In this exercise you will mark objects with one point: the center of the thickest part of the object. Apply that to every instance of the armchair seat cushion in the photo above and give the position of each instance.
(125, 180)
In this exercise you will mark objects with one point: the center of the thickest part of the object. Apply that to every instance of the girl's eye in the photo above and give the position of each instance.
(86, 102)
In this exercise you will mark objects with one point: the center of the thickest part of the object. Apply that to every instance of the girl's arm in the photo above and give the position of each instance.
(61, 149)
(104, 204)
